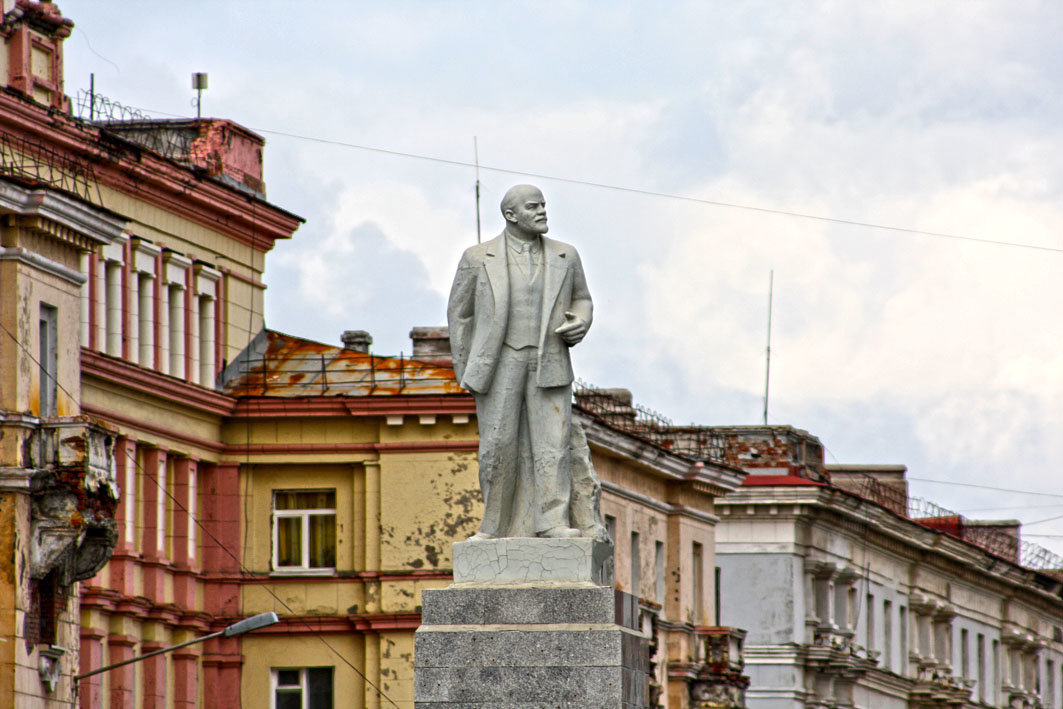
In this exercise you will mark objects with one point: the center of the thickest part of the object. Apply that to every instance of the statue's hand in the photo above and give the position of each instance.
(574, 329)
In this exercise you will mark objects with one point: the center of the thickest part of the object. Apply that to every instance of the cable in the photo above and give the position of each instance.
(247, 572)
(1046, 519)
(985, 487)
(93, 50)
(1020, 507)
(642, 191)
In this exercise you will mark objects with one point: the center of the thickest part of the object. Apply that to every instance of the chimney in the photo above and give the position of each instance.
(356, 340)
(431, 343)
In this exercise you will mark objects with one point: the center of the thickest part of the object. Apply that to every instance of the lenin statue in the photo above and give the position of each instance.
(518, 303)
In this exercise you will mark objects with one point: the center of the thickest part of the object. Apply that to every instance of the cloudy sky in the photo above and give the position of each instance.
(892, 347)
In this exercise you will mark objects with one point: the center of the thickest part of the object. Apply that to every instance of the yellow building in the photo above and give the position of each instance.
(358, 472)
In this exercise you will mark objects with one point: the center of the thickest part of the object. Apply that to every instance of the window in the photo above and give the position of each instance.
(1050, 684)
(965, 655)
(699, 583)
(48, 357)
(658, 563)
(610, 527)
(995, 657)
(902, 628)
(887, 635)
(304, 529)
(982, 694)
(870, 622)
(302, 688)
(636, 570)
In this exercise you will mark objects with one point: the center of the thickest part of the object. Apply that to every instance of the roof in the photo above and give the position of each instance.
(279, 365)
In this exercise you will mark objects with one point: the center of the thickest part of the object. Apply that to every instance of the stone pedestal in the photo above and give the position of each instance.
(525, 625)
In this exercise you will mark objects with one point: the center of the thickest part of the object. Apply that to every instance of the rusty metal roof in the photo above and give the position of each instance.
(275, 364)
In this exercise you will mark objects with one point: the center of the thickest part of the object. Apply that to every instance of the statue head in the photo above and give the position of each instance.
(524, 208)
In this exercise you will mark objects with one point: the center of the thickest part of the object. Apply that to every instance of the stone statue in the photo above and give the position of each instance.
(518, 302)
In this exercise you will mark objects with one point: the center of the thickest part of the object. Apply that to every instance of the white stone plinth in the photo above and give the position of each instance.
(533, 561)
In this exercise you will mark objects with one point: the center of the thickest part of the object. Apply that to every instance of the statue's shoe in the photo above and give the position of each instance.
(480, 537)
(560, 533)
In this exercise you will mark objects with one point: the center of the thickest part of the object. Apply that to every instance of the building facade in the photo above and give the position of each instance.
(220, 469)
(359, 471)
(856, 595)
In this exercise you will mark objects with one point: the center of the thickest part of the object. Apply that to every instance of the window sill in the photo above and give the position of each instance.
(302, 572)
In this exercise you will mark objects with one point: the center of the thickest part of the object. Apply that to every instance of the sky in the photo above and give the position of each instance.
(639, 121)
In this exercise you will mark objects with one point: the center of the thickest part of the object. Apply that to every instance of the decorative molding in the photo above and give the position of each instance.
(35, 260)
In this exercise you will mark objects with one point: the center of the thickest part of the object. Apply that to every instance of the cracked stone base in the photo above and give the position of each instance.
(530, 647)
(533, 561)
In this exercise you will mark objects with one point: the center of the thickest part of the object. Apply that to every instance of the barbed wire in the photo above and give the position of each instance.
(986, 536)
(36, 164)
(169, 138)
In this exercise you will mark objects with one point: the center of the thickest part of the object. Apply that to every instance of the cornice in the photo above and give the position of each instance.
(907, 537)
(42, 263)
(323, 406)
(154, 384)
(619, 444)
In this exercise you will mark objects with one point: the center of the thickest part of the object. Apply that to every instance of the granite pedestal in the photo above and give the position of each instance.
(528, 623)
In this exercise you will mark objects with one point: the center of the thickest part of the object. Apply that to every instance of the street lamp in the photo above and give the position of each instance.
(244, 626)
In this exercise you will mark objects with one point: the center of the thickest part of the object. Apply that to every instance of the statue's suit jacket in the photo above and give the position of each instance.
(478, 311)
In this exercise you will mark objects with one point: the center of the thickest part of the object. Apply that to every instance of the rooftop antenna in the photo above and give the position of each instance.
(476, 156)
(767, 367)
(199, 82)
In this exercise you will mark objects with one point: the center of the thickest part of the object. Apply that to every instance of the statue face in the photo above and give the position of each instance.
(529, 213)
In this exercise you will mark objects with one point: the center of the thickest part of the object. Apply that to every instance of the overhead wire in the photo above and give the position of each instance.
(640, 190)
(247, 572)
(986, 487)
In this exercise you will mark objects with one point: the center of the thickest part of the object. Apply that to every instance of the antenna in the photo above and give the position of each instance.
(767, 367)
(476, 155)
(199, 82)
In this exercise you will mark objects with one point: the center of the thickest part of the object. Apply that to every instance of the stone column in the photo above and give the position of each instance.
(184, 537)
(164, 328)
(122, 679)
(186, 687)
(153, 535)
(193, 339)
(372, 516)
(147, 321)
(86, 288)
(113, 276)
(153, 670)
(90, 689)
(177, 331)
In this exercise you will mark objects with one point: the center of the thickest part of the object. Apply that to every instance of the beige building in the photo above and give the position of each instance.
(856, 595)
(359, 471)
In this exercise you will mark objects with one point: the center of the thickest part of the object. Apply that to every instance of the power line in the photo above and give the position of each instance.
(1019, 507)
(247, 572)
(1046, 519)
(642, 191)
(986, 487)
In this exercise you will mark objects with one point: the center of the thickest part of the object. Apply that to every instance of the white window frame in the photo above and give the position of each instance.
(304, 685)
(304, 569)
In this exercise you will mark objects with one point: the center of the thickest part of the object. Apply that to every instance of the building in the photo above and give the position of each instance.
(325, 483)
(130, 270)
(359, 471)
(856, 595)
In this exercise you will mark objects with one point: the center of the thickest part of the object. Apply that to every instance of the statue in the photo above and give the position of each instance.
(518, 303)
